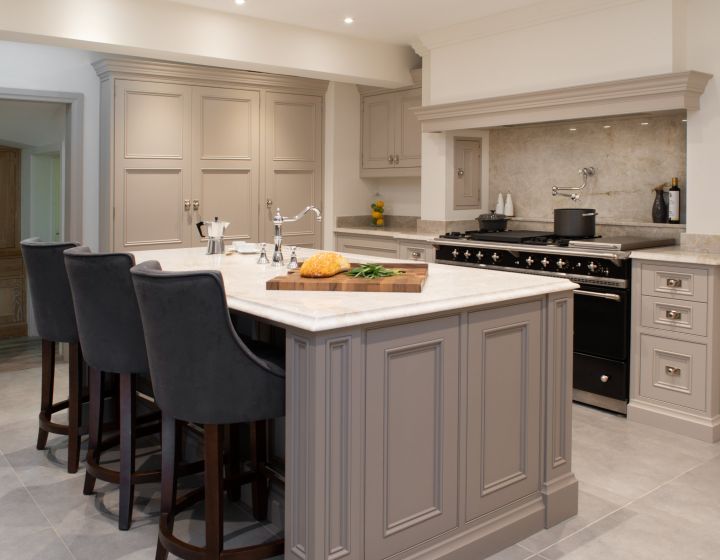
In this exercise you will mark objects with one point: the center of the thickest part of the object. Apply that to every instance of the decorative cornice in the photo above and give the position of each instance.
(664, 92)
(511, 20)
(138, 68)
(415, 74)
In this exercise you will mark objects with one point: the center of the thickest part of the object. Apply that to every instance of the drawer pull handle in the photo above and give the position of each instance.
(603, 295)
(674, 282)
(415, 254)
(673, 315)
(674, 371)
(604, 378)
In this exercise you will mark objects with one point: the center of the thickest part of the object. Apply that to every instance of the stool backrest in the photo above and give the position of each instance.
(108, 318)
(49, 289)
(201, 370)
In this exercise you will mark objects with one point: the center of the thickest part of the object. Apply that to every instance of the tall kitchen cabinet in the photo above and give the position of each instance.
(181, 143)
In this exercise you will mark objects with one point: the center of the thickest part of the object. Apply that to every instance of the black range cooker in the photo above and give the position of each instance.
(601, 266)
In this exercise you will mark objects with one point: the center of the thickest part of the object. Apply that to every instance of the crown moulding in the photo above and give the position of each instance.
(664, 92)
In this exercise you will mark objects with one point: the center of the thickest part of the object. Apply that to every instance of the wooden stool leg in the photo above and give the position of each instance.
(74, 406)
(97, 396)
(235, 462)
(258, 454)
(171, 447)
(213, 490)
(48, 383)
(127, 449)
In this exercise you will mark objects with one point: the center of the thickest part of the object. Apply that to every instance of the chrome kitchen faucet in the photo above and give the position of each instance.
(278, 221)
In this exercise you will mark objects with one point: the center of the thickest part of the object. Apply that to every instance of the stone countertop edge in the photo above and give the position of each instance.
(448, 289)
(381, 232)
(677, 254)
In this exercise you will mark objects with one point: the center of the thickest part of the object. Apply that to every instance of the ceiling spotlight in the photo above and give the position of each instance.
(349, 20)
(684, 120)
(607, 126)
(239, 2)
(572, 129)
(644, 123)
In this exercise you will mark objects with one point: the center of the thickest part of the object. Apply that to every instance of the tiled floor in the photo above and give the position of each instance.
(644, 494)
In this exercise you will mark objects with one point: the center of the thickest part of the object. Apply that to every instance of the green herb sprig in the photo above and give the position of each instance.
(373, 271)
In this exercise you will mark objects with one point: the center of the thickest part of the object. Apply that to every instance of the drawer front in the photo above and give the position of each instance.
(416, 252)
(675, 315)
(608, 378)
(673, 371)
(674, 281)
(374, 247)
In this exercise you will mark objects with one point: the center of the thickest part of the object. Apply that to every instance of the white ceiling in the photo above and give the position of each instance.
(391, 21)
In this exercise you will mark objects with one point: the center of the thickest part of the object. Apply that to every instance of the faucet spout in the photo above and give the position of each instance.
(279, 220)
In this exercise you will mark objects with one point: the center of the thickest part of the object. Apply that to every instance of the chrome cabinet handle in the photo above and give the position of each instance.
(613, 297)
(390, 159)
(673, 315)
(669, 370)
(196, 204)
(674, 283)
(397, 159)
(460, 172)
(415, 254)
(186, 204)
(268, 203)
(604, 378)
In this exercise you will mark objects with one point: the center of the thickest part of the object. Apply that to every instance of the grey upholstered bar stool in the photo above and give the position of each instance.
(202, 372)
(55, 319)
(111, 334)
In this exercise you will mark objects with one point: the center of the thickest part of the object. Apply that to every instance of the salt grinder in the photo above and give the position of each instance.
(263, 255)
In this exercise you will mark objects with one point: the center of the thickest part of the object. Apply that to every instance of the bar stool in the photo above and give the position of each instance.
(55, 320)
(111, 335)
(202, 372)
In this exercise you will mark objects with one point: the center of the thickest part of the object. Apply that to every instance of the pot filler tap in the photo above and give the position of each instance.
(278, 221)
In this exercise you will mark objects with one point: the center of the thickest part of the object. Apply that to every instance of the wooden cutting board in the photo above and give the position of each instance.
(410, 282)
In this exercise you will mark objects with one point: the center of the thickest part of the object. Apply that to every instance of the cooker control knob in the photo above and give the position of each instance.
(495, 257)
(466, 254)
(529, 261)
(604, 378)
(592, 267)
(455, 253)
(544, 262)
(479, 255)
(560, 264)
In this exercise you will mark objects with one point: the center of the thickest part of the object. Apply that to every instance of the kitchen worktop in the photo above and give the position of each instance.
(387, 232)
(447, 288)
(678, 254)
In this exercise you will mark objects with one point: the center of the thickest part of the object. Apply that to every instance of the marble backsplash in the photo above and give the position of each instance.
(630, 157)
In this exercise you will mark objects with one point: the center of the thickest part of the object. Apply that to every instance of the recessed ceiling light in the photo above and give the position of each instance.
(349, 20)
(572, 129)
(607, 126)
(684, 120)
(644, 123)
(239, 2)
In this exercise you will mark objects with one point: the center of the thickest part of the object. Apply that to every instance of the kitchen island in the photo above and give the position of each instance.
(419, 426)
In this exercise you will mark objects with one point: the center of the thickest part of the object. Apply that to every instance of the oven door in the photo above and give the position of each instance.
(602, 322)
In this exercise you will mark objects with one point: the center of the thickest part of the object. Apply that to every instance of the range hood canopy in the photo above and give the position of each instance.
(664, 92)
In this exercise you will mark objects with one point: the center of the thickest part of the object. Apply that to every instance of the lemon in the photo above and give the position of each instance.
(379, 222)
(376, 215)
(379, 203)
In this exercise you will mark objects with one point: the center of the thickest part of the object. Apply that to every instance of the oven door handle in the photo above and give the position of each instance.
(603, 295)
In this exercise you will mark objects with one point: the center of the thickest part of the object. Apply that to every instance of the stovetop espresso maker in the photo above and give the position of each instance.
(215, 235)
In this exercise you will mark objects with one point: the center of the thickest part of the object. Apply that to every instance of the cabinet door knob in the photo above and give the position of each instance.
(186, 204)
(604, 378)
(390, 159)
(673, 315)
(674, 371)
(460, 172)
(397, 159)
(674, 283)
(196, 204)
(268, 203)
(415, 254)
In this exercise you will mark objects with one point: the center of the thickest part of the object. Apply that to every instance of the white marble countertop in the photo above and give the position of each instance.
(392, 234)
(447, 288)
(676, 253)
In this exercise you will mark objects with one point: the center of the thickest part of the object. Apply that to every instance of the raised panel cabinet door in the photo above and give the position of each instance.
(226, 160)
(503, 384)
(408, 142)
(378, 131)
(412, 422)
(466, 174)
(293, 166)
(152, 182)
(12, 280)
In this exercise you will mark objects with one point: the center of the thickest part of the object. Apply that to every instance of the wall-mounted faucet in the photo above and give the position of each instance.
(575, 195)
(278, 221)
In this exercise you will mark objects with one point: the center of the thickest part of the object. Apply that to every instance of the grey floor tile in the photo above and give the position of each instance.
(515, 552)
(19, 515)
(44, 545)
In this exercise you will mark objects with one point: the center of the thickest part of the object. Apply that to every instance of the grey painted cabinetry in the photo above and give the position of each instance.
(379, 246)
(675, 381)
(182, 143)
(391, 138)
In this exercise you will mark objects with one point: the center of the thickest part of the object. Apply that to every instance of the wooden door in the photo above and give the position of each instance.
(467, 174)
(412, 424)
(293, 166)
(152, 183)
(408, 142)
(12, 274)
(378, 135)
(226, 155)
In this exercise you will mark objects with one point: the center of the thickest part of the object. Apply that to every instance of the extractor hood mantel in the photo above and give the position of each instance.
(664, 92)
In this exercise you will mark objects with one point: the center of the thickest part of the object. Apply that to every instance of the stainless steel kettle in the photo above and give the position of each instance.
(215, 235)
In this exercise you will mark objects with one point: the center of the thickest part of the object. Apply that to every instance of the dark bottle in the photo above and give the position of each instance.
(659, 207)
(674, 202)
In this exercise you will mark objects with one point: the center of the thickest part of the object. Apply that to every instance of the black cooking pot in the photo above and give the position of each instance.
(492, 222)
(575, 222)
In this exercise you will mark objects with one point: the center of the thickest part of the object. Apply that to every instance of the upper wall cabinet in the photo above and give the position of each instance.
(391, 140)
(181, 144)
